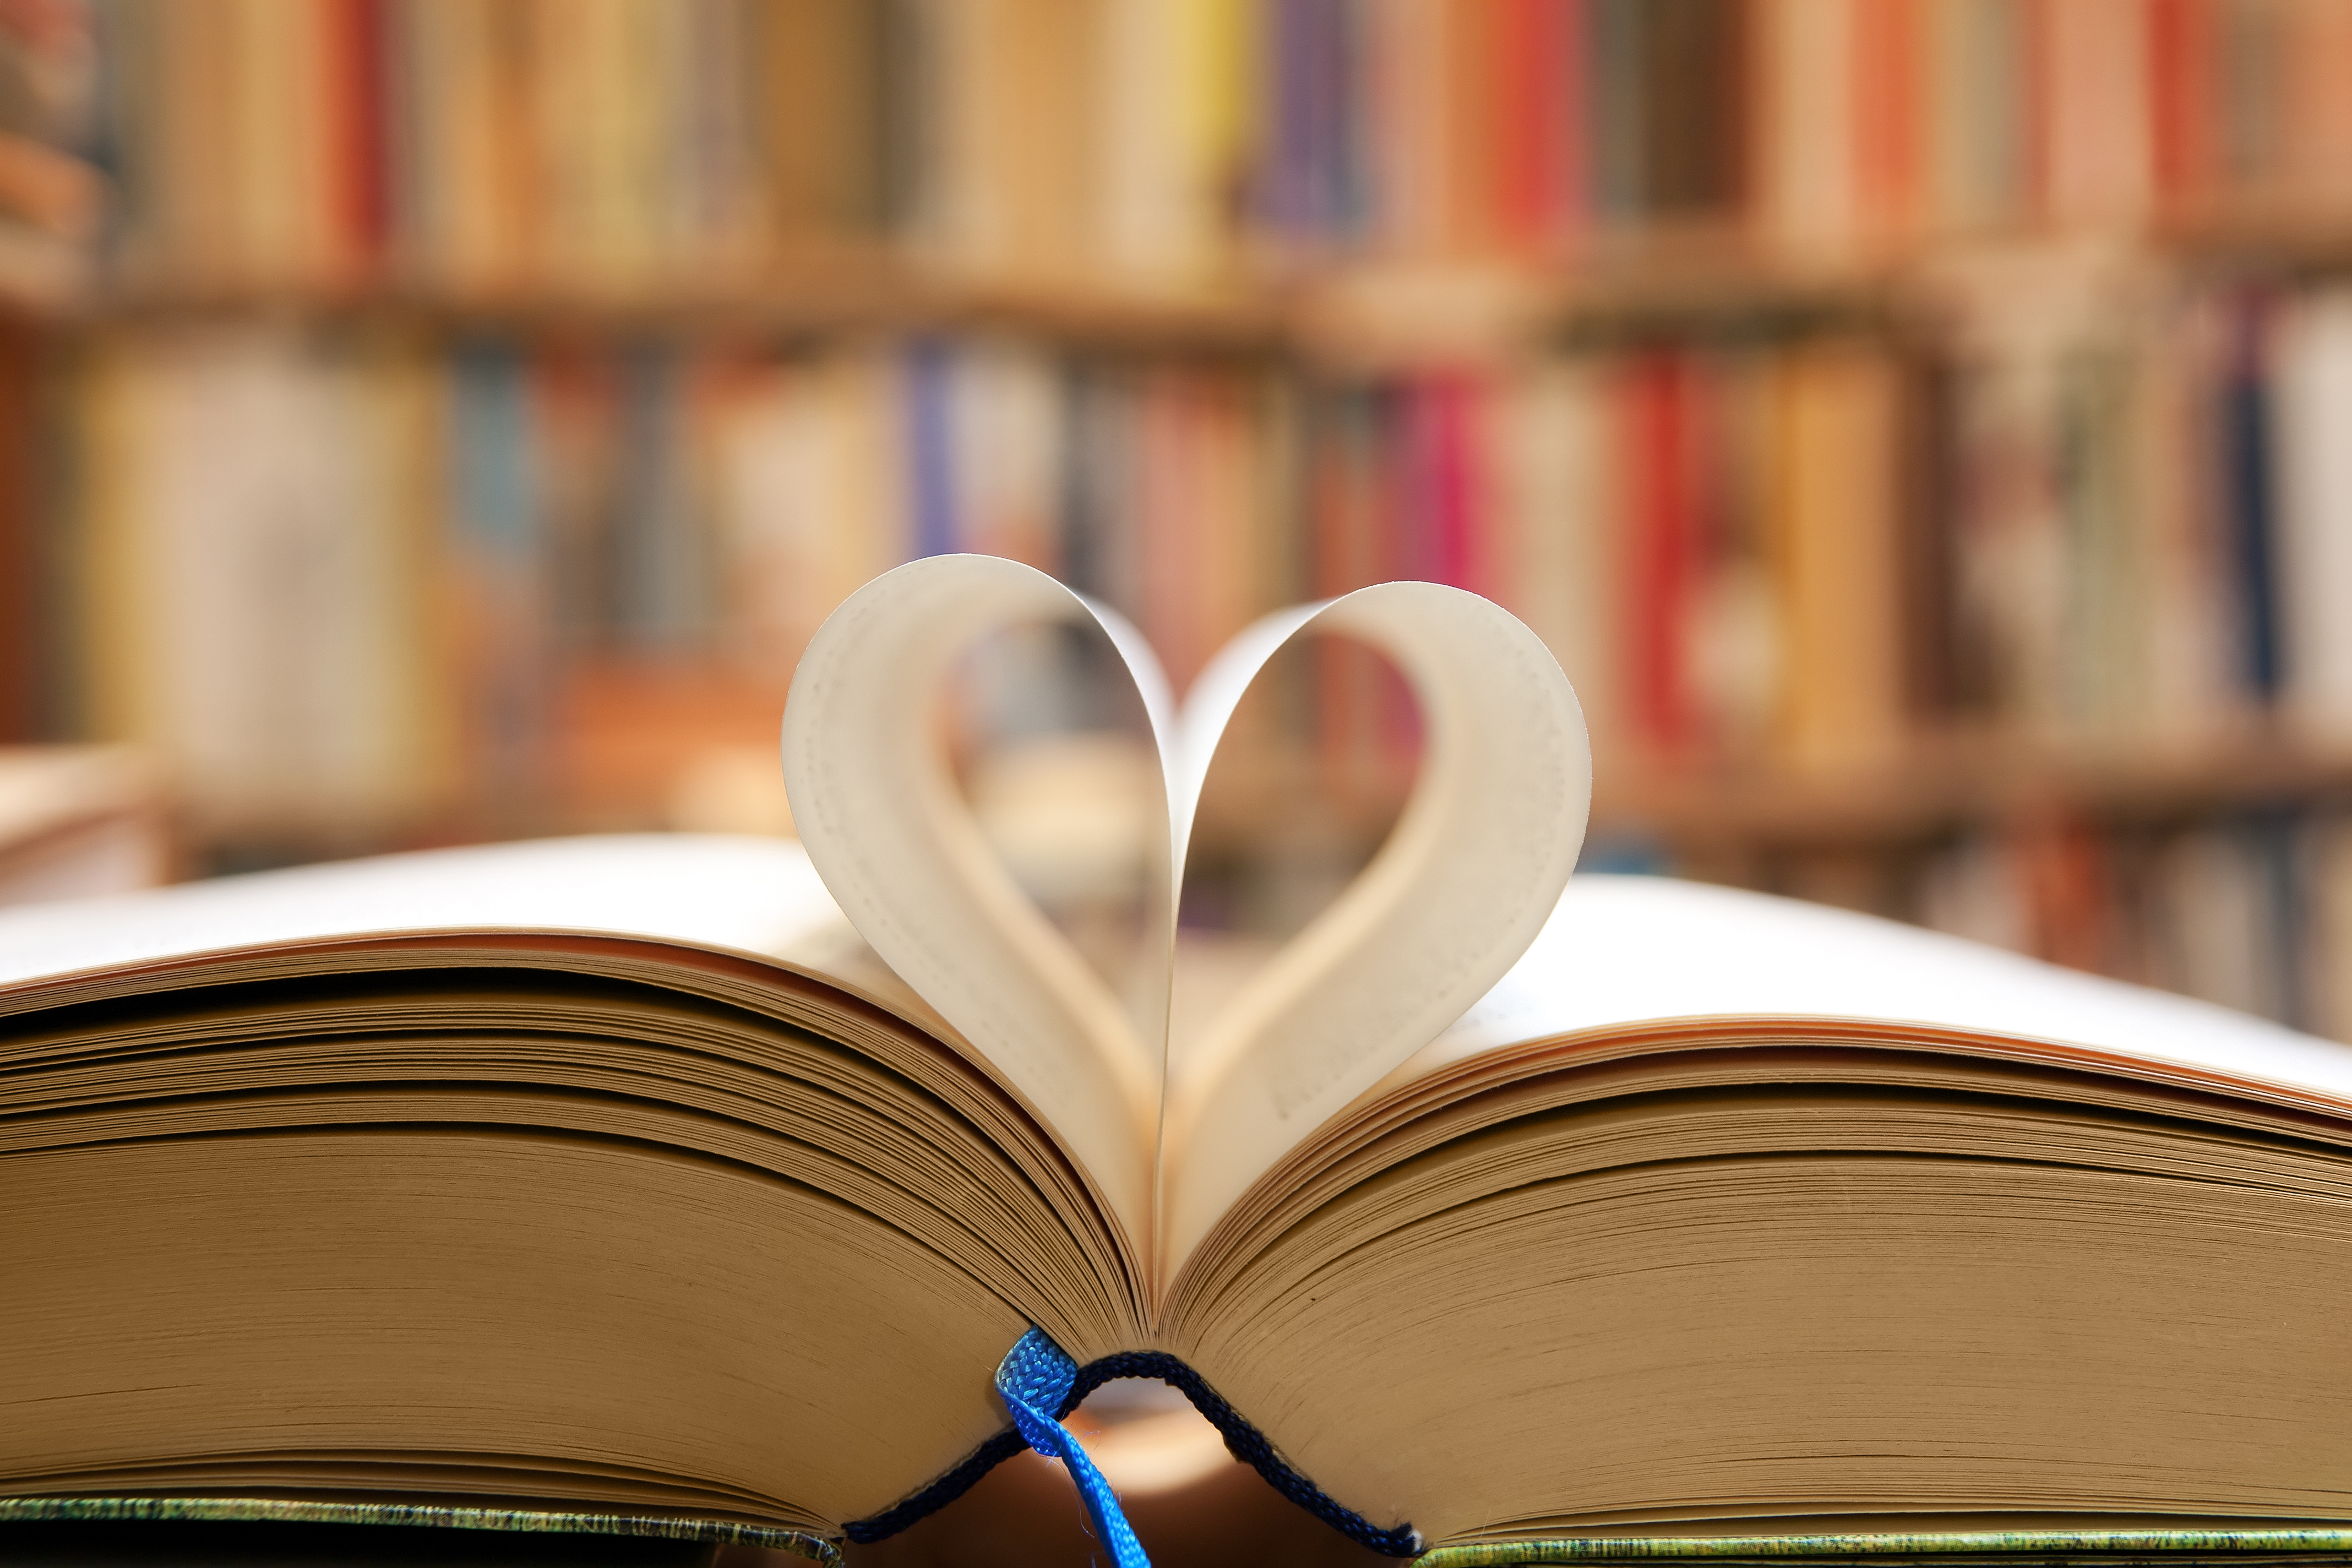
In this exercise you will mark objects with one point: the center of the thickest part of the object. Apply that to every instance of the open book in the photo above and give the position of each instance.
(704, 1179)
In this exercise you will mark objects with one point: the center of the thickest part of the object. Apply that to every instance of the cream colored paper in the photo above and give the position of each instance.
(750, 895)
(1468, 877)
(1621, 952)
(875, 806)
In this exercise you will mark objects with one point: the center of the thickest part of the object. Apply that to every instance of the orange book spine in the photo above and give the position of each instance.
(2319, 66)
(2033, 109)
(1474, 126)
(2180, 45)
(1888, 100)
(1523, 86)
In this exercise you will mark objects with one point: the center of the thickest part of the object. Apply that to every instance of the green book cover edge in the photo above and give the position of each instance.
(1889, 1544)
(282, 1511)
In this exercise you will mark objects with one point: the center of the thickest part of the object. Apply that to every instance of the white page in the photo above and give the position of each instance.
(758, 896)
(875, 802)
(1465, 879)
(1621, 951)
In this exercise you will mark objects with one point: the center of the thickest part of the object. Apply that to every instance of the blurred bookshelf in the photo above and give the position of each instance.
(1913, 423)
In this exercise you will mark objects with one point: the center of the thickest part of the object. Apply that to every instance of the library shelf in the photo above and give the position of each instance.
(874, 290)
(2271, 235)
(1352, 315)
(1355, 316)
(1912, 795)
(1372, 316)
(1955, 782)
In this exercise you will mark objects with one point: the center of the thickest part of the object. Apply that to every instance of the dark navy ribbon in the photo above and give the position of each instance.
(1244, 1441)
(1035, 1377)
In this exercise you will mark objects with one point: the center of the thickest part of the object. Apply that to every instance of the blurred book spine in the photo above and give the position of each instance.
(1715, 536)
(2250, 910)
(260, 580)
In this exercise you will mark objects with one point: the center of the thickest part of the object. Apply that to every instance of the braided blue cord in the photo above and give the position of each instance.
(1035, 1377)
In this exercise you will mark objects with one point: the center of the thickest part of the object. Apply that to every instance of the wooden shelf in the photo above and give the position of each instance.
(1954, 783)
(1359, 314)
(627, 737)
(849, 289)
(1937, 785)
(2270, 233)
(1350, 315)
(624, 730)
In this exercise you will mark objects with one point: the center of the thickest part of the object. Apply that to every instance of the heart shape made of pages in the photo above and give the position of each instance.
(1464, 880)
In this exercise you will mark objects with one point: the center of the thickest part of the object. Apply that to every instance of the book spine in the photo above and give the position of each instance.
(500, 562)
(931, 449)
(2313, 401)
(357, 73)
(1660, 522)
(1620, 157)
(1886, 68)
(2249, 503)
(28, 582)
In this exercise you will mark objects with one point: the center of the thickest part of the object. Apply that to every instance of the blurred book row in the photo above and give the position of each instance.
(2253, 909)
(337, 575)
(1818, 126)
(1801, 552)
(2141, 536)
(489, 145)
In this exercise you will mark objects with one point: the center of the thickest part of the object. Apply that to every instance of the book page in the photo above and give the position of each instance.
(1468, 875)
(884, 822)
(1619, 951)
(750, 895)
(1473, 869)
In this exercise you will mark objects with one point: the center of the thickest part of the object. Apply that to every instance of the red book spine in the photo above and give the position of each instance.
(1661, 510)
(2180, 43)
(2067, 888)
(1484, 546)
(1451, 483)
(359, 106)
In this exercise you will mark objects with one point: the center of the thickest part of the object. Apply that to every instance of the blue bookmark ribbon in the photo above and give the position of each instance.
(1035, 1377)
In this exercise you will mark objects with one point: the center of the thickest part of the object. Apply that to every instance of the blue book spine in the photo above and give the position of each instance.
(931, 449)
(500, 540)
(2251, 499)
